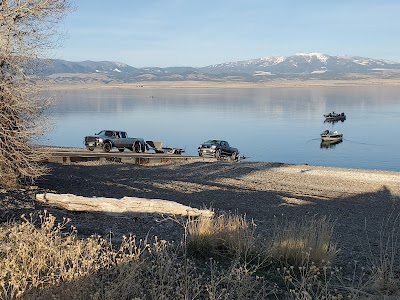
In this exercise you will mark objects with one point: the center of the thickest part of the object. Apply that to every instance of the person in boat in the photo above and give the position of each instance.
(326, 131)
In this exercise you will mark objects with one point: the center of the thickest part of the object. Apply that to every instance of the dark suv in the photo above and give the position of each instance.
(218, 148)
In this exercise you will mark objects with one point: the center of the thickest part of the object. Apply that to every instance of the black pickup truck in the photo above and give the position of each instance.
(218, 148)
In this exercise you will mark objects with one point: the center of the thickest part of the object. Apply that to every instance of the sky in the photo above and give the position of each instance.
(198, 33)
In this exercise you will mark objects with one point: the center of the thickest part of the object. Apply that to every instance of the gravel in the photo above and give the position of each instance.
(359, 201)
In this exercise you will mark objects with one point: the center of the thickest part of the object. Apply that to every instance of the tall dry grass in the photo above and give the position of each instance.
(385, 266)
(228, 234)
(43, 259)
(49, 254)
(310, 239)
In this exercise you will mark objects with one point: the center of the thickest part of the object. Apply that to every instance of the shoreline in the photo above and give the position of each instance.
(226, 85)
(264, 192)
(357, 201)
(69, 149)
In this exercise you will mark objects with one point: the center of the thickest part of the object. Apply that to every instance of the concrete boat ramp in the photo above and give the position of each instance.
(71, 155)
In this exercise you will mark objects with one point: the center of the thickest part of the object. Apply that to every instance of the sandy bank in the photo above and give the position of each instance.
(225, 85)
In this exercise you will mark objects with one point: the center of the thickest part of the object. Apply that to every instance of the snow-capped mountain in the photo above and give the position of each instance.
(300, 65)
(55, 66)
(303, 63)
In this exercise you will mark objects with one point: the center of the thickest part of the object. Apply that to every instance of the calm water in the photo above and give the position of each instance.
(274, 124)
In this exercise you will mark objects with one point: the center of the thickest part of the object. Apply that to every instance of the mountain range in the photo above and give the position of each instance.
(298, 66)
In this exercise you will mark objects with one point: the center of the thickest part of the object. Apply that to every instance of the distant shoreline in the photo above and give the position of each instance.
(225, 85)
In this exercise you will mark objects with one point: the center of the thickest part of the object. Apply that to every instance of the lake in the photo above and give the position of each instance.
(265, 124)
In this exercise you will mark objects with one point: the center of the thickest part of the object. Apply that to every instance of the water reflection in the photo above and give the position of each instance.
(334, 121)
(329, 144)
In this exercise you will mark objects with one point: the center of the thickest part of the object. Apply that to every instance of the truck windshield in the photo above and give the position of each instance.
(106, 133)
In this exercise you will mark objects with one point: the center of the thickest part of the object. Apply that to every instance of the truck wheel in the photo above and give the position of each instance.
(234, 156)
(121, 149)
(90, 148)
(107, 147)
(137, 147)
(143, 148)
(217, 154)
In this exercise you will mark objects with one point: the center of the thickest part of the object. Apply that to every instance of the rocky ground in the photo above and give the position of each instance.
(359, 201)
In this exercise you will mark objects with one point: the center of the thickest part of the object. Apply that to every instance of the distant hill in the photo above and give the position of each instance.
(298, 66)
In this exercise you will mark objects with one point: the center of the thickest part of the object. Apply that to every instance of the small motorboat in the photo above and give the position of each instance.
(334, 116)
(331, 136)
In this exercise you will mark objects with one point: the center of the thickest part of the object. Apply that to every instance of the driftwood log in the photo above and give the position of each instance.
(121, 206)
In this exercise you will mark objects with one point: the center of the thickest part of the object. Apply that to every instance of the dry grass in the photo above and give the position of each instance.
(385, 266)
(311, 239)
(32, 257)
(42, 259)
(311, 281)
(227, 235)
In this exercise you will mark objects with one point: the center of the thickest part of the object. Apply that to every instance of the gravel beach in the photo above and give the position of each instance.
(360, 202)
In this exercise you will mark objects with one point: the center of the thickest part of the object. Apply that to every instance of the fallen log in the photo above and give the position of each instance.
(124, 205)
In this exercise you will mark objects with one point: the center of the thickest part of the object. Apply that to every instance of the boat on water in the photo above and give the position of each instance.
(329, 135)
(335, 117)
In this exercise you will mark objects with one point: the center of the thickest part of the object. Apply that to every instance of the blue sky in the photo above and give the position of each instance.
(203, 32)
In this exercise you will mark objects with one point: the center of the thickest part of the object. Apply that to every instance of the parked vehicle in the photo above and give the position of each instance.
(335, 117)
(108, 139)
(218, 148)
(332, 136)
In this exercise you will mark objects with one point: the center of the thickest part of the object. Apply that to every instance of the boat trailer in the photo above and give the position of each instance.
(158, 148)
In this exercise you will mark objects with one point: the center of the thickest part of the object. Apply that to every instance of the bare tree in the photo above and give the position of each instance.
(27, 30)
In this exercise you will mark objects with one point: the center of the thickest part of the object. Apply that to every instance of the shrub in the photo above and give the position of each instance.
(45, 261)
(33, 257)
(230, 235)
(310, 239)
(385, 265)
(27, 30)
(42, 259)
